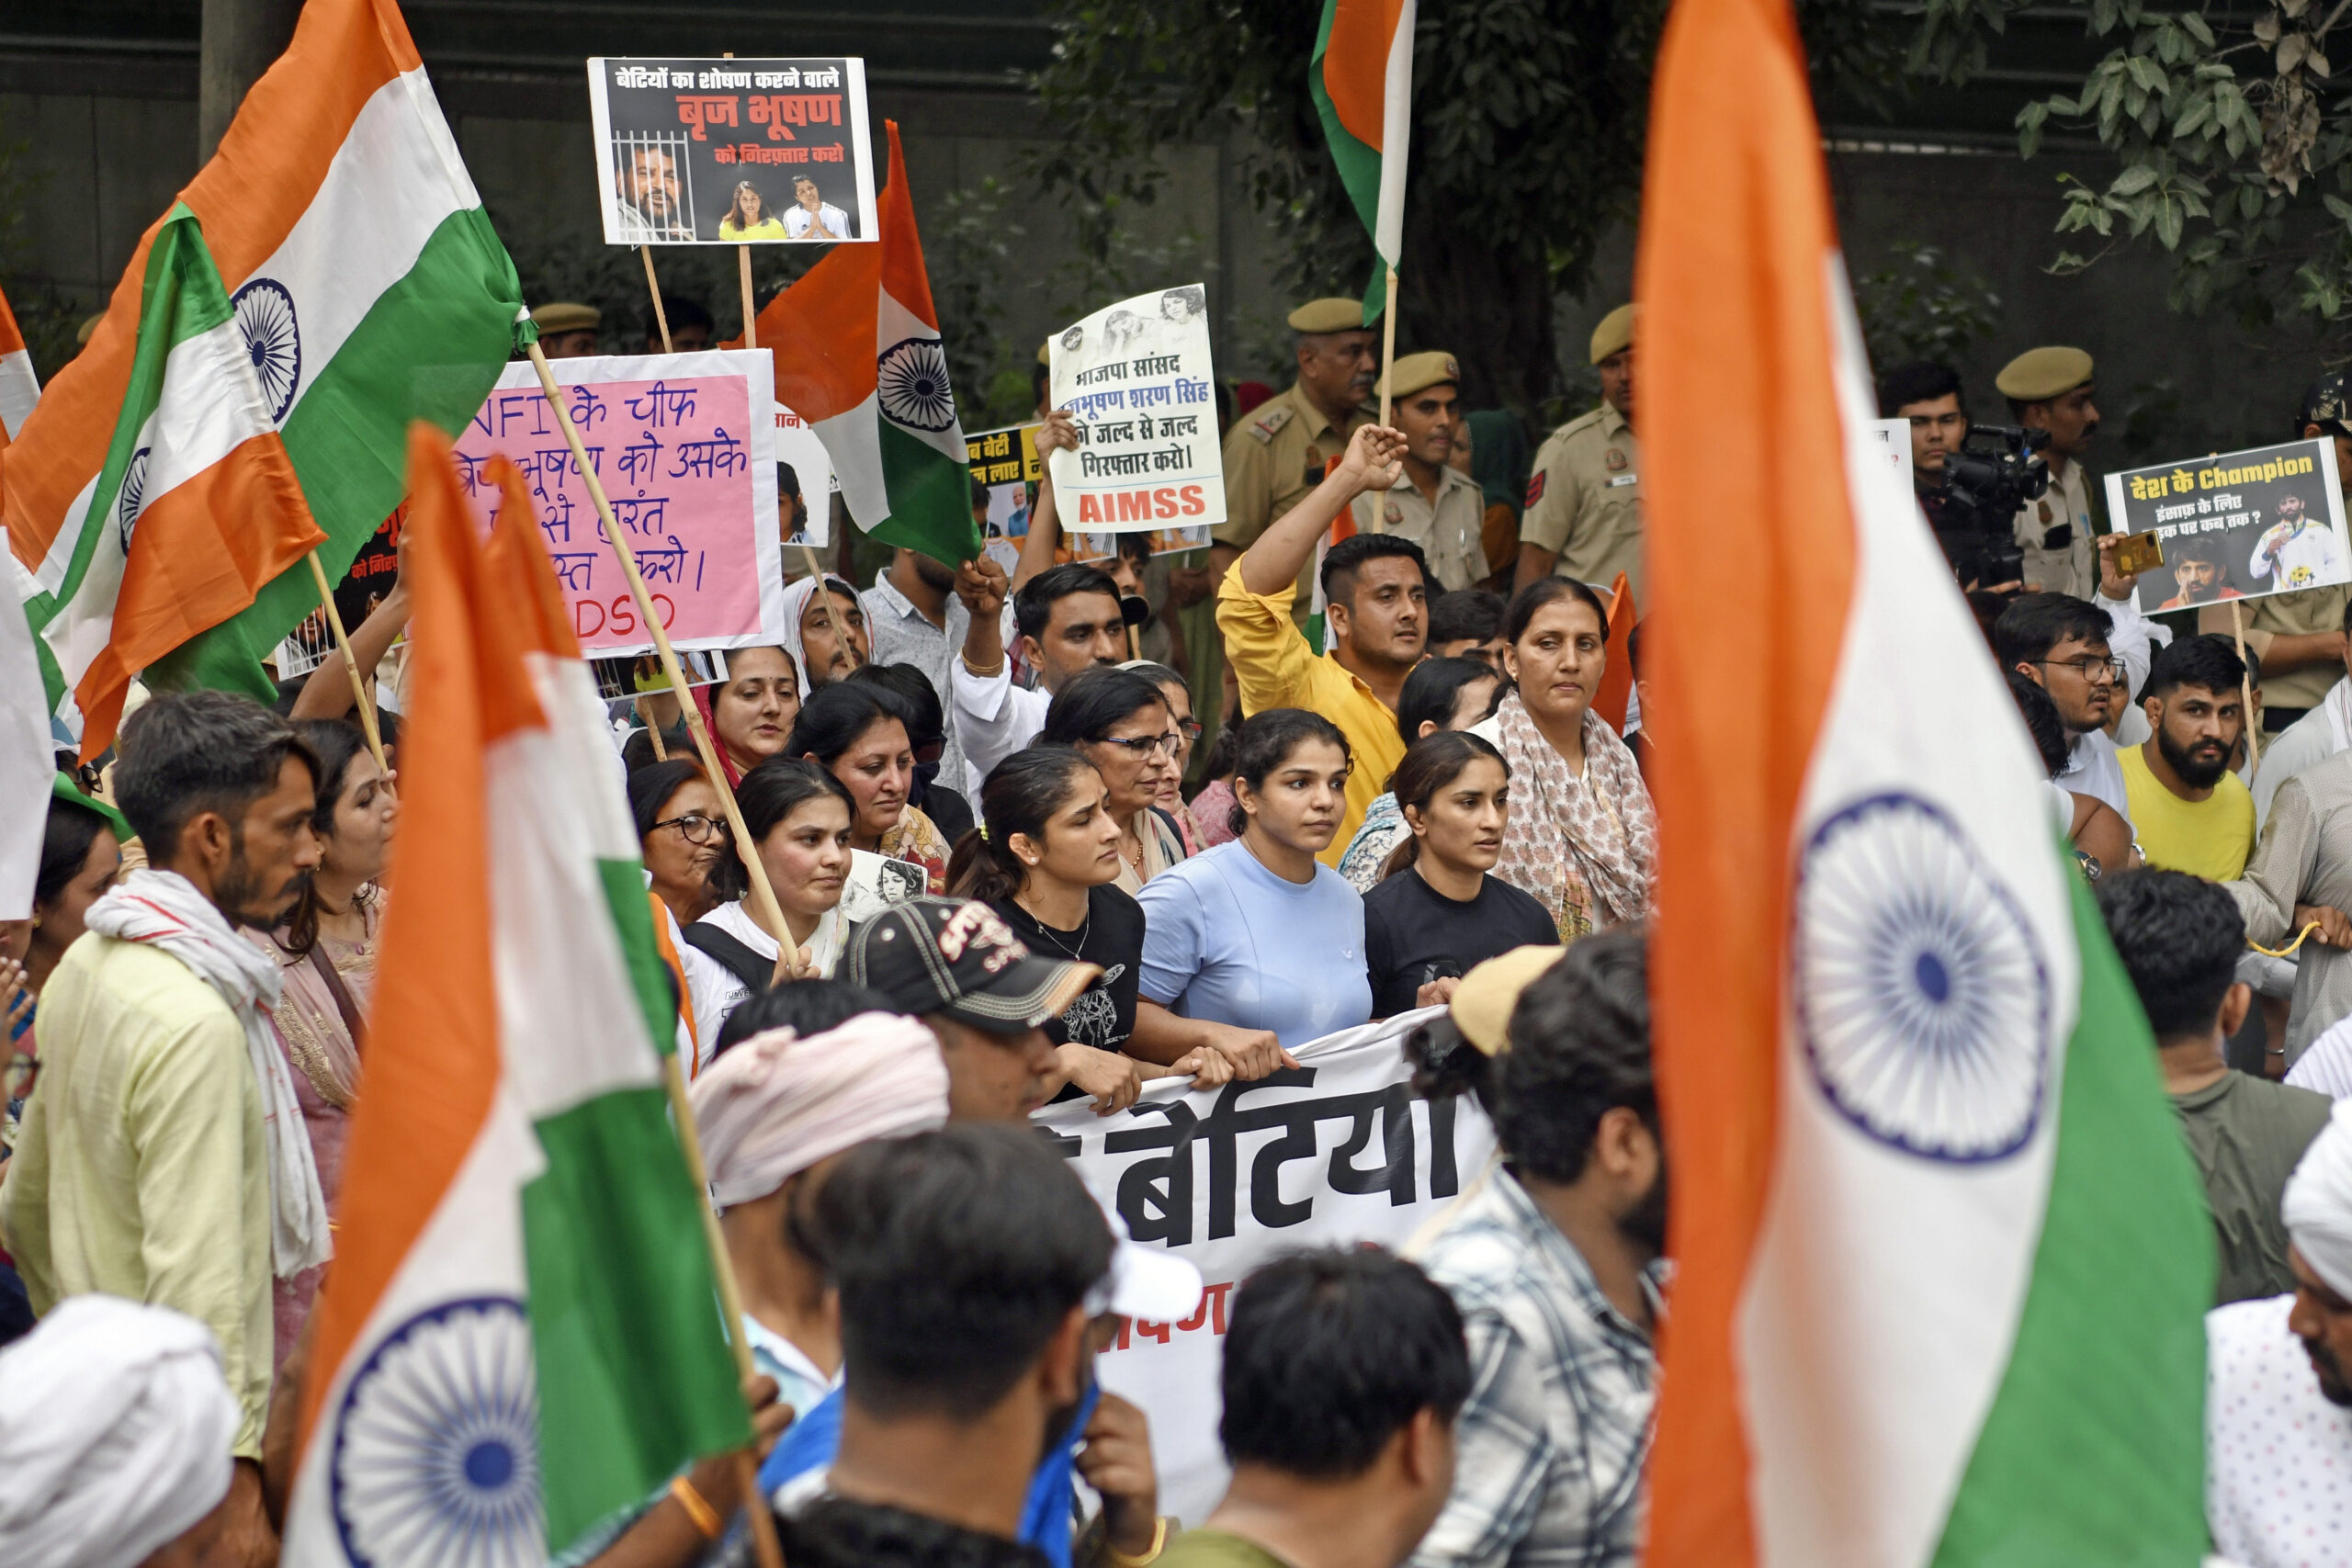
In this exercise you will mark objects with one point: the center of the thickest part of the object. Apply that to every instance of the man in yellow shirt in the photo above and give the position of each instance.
(1375, 591)
(2190, 811)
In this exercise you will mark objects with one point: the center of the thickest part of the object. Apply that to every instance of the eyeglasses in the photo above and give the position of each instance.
(1190, 728)
(696, 829)
(24, 1067)
(1143, 745)
(2088, 667)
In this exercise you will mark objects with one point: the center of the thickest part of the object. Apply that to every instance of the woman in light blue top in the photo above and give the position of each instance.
(1253, 946)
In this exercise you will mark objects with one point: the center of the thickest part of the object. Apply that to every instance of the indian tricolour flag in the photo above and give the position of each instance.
(858, 356)
(1361, 77)
(520, 1336)
(19, 384)
(1941, 1258)
(366, 288)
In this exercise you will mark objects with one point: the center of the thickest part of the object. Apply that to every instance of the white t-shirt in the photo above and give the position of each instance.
(2305, 559)
(799, 223)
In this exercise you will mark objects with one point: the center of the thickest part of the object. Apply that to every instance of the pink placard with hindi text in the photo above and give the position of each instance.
(684, 446)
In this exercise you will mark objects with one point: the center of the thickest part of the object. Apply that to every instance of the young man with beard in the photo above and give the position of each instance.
(1375, 592)
(163, 1158)
(1556, 1264)
(2279, 1385)
(2191, 812)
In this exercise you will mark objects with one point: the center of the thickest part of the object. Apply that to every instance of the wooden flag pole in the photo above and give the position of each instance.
(350, 665)
(660, 316)
(2246, 684)
(1387, 366)
(730, 1296)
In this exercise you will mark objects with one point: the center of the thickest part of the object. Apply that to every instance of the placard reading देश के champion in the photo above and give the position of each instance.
(2239, 525)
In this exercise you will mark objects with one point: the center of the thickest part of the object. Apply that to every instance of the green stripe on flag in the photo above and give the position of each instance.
(649, 977)
(622, 1301)
(1359, 163)
(931, 498)
(180, 297)
(430, 347)
(2093, 1450)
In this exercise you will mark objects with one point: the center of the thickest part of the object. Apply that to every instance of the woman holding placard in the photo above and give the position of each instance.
(859, 733)
(747, 216)
(749, 713)
(1582, 836)
(798, 817)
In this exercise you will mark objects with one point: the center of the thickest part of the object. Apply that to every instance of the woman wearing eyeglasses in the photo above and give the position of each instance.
(1120, 722)
(1171, 798)
(683, 832)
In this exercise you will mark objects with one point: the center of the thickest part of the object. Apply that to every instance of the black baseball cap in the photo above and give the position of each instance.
(957, 956)
(2327, 402)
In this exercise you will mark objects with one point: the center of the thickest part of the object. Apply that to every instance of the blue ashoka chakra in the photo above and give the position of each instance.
(1921, 997)
(273, 338)
(436, 1450)
(132, 495)
(911, 381)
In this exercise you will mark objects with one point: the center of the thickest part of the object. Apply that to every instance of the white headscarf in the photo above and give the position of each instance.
(116, 1423)
(163, 909)
(775, 1104)
(2318, 1204)
(797, 595)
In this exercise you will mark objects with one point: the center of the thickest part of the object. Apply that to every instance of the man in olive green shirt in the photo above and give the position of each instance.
(1343, 1372)
(2179, 938)
(1584, 499)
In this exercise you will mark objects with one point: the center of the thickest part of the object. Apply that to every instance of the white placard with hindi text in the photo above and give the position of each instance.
(1137, 377)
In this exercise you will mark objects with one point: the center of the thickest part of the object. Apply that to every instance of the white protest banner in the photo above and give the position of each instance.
(2239, 525)
(1137, 377)
(731, 152)
(684, 446)
(1335, 1153)
(805, 481)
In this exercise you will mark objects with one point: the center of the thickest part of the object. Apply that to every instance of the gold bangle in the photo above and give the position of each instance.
(977, 672)
(699, 1513)
(1159, 1543)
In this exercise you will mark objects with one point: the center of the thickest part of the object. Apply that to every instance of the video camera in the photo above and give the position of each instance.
(1996, 470)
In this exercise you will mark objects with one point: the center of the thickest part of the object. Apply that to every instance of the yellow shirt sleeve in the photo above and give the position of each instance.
(1269, 659)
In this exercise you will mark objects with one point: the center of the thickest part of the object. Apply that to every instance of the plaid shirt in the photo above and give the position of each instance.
(1549, 1449)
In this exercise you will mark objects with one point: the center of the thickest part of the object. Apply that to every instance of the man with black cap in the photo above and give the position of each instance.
(1278, 454)
(1438, 507)
(2297, 637)
(1584, 499)
(2050, 388)
(955, 965)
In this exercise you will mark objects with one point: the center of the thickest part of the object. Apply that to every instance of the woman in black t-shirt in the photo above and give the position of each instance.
(1436, 913)
(1045, 857)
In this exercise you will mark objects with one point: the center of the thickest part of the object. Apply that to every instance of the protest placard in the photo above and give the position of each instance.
(2237, 526)
(805, 481)
(1005, 464)
(684, 446)
(1137, 377)
(731, 152)
(1335, 1151)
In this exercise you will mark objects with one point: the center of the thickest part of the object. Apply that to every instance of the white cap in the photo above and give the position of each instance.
(1145, 1282)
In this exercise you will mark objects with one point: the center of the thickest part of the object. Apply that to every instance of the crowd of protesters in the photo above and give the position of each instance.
(1001, 878)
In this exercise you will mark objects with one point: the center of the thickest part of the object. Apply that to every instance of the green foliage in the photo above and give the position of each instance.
(48, 317)
(968, 249)
(2232, 139)
(1927, 306)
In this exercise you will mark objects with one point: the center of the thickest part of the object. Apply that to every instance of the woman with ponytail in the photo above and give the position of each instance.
(1436, 914)
(1046, 857)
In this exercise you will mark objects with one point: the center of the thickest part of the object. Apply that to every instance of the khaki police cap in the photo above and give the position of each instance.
(1329, 316)
(564, 316)
(1614, 333)
(1046, 352)
(2041, 373)
(88, 326)
(1483, 1002)
(1413, 372)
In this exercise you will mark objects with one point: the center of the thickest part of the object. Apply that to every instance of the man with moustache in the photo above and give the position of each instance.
(1438, 506)
(163, 1158)
(2279, 1384)
(2051, 390)
(2201, 570)
(914, 616)
(2191, 812)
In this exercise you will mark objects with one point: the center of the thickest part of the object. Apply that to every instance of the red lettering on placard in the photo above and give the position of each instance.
(1090, 508)
(581, 610)
(1194, 504)
(1134, 506)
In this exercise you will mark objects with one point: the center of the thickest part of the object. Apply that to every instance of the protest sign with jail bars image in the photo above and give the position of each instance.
(731, 152)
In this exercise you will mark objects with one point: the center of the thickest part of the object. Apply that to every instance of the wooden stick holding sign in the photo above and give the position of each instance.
(359, 695)
(1387, 365)
(660, 316)
(731, 1297)
(2246, 684)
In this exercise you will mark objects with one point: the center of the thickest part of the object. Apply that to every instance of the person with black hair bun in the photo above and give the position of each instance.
(1436, 914)
(1255, 946)
(862, 734)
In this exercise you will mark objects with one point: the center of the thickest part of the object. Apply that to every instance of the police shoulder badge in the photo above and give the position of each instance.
(1273, 420)
(1535, 486)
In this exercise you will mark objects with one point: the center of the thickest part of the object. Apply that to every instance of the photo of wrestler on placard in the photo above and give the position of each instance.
(811, 217)
(748, 217)
(2199, 564)
(2297, 551)
(650, 205)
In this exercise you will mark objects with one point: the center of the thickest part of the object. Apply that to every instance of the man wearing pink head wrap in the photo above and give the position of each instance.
(775, 1113)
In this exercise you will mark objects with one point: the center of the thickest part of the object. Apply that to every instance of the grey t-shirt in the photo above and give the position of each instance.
(2245, 1134)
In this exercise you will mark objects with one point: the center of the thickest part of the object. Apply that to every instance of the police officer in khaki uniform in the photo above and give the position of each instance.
(2050, 388)
(1584, 499)
(566, 331)
(2299, 636)
(1436, 506)
(1276, 454)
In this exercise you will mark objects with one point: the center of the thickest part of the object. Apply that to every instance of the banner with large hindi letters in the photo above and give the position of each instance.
(685, 447)
(1334, 1153)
